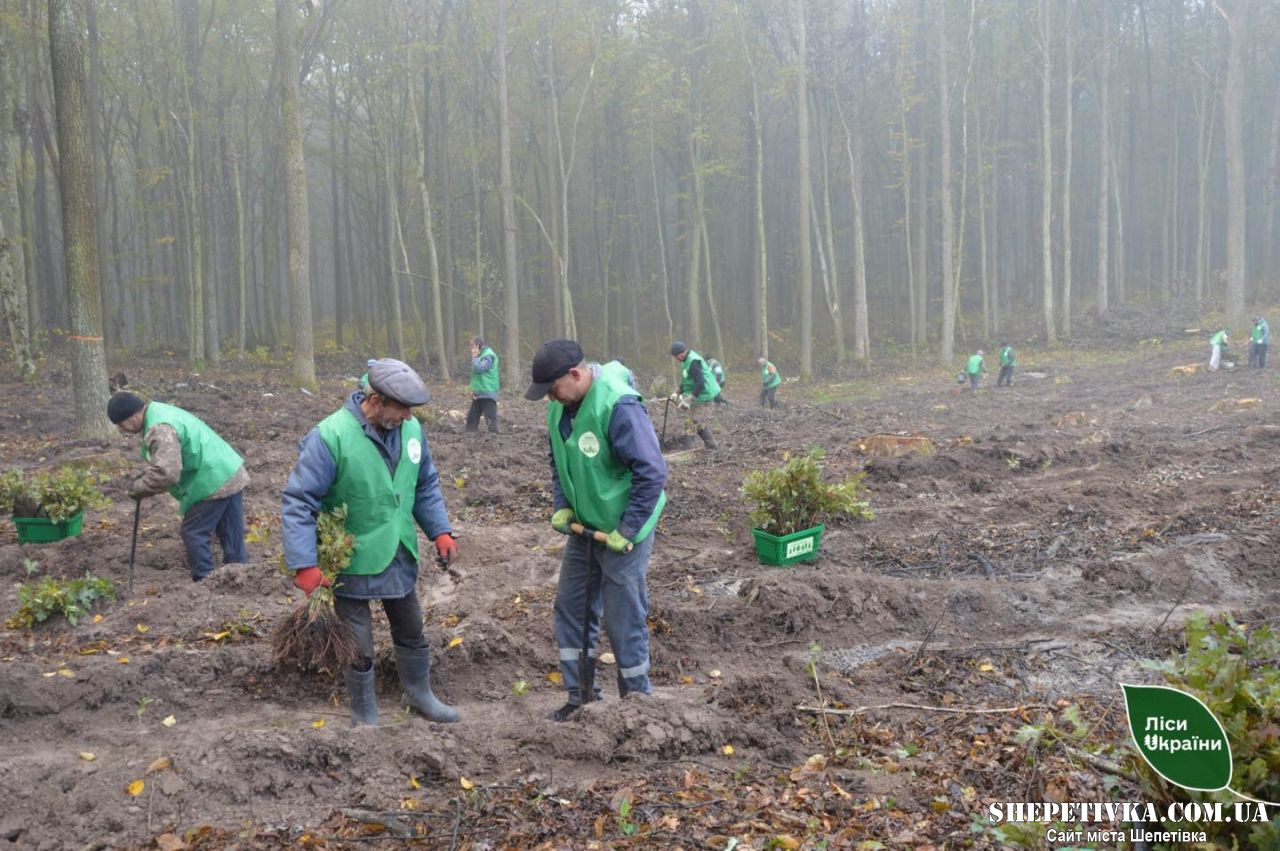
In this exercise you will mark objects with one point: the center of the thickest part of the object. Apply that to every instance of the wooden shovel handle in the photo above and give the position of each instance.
(593, 534)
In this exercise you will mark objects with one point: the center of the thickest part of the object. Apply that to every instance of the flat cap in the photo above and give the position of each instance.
(397, 381)
(552, 361)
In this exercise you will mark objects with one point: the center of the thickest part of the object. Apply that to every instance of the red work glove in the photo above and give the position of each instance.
(309, 579)
(446, 549)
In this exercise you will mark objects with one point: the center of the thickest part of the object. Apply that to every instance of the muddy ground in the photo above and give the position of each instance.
(1060, 532)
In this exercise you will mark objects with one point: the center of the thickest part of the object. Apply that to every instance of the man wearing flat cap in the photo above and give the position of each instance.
(371, 456)
(698, 386)
(193, 463)
(607, 474)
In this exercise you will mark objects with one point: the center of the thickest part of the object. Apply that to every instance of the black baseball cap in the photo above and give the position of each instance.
(553, 361)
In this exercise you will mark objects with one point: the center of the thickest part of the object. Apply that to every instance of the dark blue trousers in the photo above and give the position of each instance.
(221, 517)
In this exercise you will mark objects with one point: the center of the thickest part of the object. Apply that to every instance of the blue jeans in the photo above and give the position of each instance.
(223, 517)
(620, 591)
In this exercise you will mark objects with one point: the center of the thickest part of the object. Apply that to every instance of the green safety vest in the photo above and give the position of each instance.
(1256, 336)
(710, 387)
(1218, 338)
(379, 508)
(769, 379)
(975, 365)
(207, 460)
(1006, 356)
(594, 481)
(487, 381)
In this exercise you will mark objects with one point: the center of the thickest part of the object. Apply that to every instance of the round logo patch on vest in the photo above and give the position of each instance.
(589, 445)
(415, 450)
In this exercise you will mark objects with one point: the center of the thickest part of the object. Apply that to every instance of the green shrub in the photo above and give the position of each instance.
(41, 599)
(1232, 669)
(55, 494)
(794, 496)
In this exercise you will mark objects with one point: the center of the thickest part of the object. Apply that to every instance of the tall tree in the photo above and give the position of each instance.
(288, 68)
(803, 247)
(947, 350)
(1237, 15)
(1046, 172)
(1104, 162)
(510, 270)
(13, 285)
(79, 220)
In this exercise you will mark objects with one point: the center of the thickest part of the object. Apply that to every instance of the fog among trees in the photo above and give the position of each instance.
(835, 181)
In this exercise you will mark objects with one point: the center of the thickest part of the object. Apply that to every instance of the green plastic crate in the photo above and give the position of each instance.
(789, 549)
(42, 530)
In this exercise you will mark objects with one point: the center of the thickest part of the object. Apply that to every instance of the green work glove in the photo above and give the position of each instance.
(617, 543)
(561, 519)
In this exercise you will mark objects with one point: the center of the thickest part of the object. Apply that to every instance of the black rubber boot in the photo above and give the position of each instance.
(414, 666)
(708, 439)
(363, 697)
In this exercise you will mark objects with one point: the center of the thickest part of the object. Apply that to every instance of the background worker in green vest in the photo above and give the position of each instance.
(371, 456)
(769, 381)
(1217, 346)
(607, 473)
(1005, 379)
(484, 386)
(203, 473)
(1259, 339)
(974, 369)
(698, 386)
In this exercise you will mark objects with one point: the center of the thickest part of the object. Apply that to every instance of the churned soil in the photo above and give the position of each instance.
(1057, 532)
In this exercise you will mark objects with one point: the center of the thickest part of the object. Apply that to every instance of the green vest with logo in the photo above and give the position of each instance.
(767, 378)
(710, 387)
(487, 381)
(594, 481)
(207, 460)
(379, 507)
(975, 365)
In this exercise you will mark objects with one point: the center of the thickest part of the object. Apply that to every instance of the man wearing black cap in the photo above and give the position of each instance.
(698, 386)
(607, 474)
(371, 456)
(193, 463)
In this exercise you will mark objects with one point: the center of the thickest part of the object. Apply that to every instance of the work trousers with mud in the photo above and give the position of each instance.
(619, 591)
(1005, 379)
(1258, 355)
(404, 614)
(489, 408)
(769, 396)
(221, 517)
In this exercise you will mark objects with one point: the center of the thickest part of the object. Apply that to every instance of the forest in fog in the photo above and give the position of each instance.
(836, 180)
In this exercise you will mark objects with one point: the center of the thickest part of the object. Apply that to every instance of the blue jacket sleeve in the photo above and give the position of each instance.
(558, 499)
(310, 480)
(635, 444)
(482, 363)
(428, 502)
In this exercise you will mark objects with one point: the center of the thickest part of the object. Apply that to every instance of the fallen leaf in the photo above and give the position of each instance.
(169, 842)
(714, 674)
(217, 636)
(48, 674)
(413, 782)
(465, 783)
(686, 680)
(520, 688)
(318, 723)
(169, 721)
(727, 750)
(455, 641)
(87, 756)
(607, 658)
(97, 619)
(555, 677)
(123, 660)
(135, 788)
(159, 765)
(986, 667)
(142, 627)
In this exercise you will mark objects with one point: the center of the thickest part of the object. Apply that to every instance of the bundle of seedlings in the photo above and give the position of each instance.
(312, 637)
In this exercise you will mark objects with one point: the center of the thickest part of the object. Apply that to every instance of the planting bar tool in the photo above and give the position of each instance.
(662, 442)
(133, 546)
(594, 534)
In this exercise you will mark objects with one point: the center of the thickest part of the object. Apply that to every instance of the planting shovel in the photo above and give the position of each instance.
(133, 546)
(662, 442)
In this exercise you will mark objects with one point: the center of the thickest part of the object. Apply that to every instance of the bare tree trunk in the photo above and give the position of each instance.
(512, 356)
(1238, 23)
(662, 243)
(295, 180)
(1104, 163)
(242, 289)
(13, 285)
(761, 259)
(1046, 173)
(79, 221)
(946, 351)
(335, 213)
(803, 245)
(393, 292)
(861, 330)
(1067, 115)
(711, 293)
(1272, 194)
(429, 235)
(827, 239)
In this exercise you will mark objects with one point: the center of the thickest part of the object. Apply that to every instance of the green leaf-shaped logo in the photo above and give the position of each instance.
(1179, 737)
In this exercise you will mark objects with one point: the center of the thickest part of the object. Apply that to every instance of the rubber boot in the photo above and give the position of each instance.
(414, 666)
(363, 697)
(708, 439)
